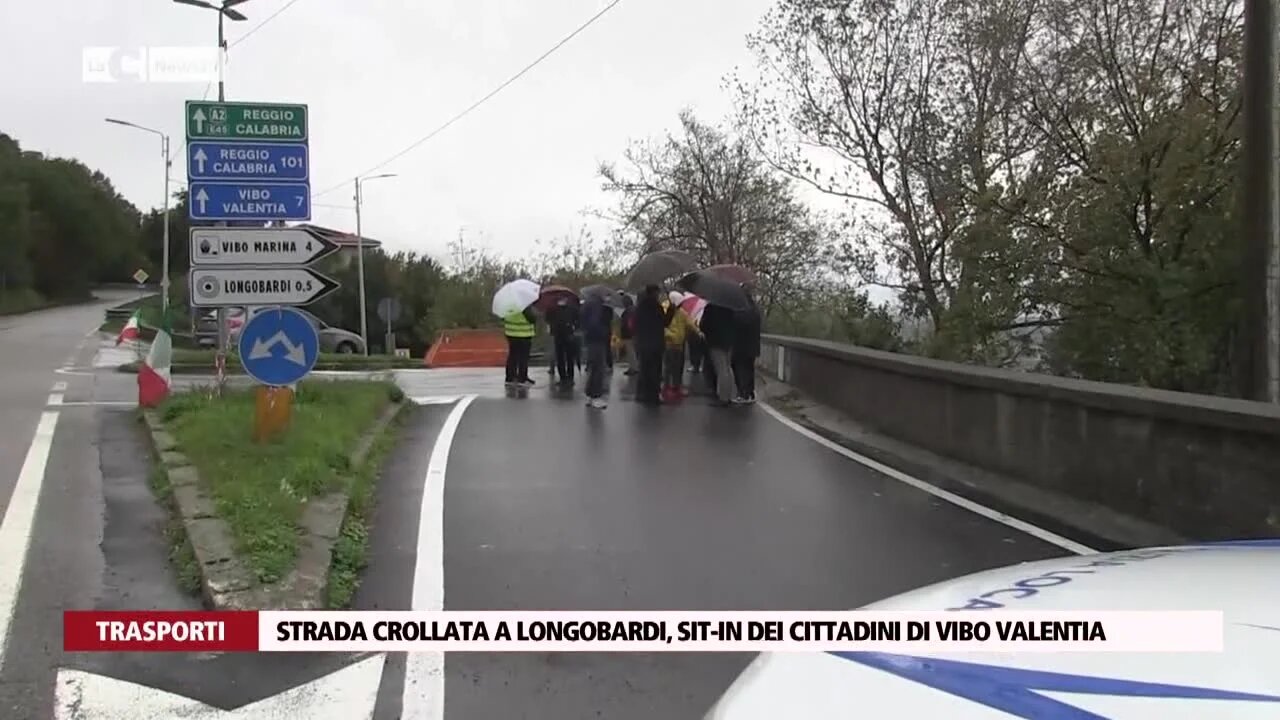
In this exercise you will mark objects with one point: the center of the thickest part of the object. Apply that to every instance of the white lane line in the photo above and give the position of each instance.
(423, 697)
(60, 386)
(1022, 526)
(55, 399)
(98, 403)
(434, 399)
(73, 371)
(19, 520)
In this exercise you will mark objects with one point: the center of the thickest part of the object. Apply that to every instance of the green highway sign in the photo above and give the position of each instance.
(261, 122)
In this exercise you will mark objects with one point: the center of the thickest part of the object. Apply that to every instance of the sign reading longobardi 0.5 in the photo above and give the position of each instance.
(264, 122)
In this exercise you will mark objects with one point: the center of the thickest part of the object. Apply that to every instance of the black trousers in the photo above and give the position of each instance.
(744, 374)
(566, 350)
(697, 352)
(518, 350)
(650, 380)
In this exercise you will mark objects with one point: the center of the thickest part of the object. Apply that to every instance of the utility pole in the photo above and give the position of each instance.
(164, 254)
(364, 320)
(168, 162)
(1258, 360)
(225, 10)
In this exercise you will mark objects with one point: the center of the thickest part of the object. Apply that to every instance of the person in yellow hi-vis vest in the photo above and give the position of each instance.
(519, 328)
(677, 333)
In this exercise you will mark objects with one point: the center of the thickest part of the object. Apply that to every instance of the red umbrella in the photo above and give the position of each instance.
(736, 273)
(552, 294)
(693, 305)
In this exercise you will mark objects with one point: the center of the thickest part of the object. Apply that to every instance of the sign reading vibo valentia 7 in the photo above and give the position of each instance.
(246, 121)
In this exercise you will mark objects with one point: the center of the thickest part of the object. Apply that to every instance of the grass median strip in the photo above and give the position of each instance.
(260, 489)
(201, 361)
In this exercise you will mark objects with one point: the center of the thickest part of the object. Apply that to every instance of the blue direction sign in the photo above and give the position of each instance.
(246, 162)
(279, 346)
(245, 201)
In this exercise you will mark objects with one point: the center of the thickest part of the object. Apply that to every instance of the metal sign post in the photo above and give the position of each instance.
(250, 162)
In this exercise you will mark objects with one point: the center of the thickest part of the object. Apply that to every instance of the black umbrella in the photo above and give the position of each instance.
(656, 267)
(604, 292)
(716, 290)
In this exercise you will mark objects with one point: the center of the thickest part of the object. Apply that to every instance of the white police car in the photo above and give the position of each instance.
(1241, 578)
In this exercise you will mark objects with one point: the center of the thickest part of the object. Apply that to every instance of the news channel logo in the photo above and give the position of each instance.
(186, 64)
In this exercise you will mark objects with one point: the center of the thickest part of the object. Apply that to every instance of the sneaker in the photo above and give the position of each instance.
(599, 403)
(526, 381)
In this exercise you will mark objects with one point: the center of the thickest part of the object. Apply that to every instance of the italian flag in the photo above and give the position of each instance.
(131, 329)
(153, 377)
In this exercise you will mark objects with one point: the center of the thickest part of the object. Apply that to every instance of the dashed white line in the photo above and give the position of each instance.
(1021, 525)
(19, 520)
(98, 403)
(423, 697)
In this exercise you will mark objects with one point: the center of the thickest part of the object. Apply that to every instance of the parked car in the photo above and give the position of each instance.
(206, 326)
(332, 339)
(1238, 578)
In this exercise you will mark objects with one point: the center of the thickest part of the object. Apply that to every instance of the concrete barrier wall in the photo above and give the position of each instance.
(1204, 466)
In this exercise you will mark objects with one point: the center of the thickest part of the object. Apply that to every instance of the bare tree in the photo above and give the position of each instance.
(709, 194)
(1138, 102)
(907, 109)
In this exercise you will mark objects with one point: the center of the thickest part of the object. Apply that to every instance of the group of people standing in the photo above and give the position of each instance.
(657, 336)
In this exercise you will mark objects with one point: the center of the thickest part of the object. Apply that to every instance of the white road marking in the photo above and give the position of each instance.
(93, 403)
(55, 399)
(60, 386)
(423, 697)
(19, 520)
(435, 399)
(74, 371)
(346, 694)
(986, 512)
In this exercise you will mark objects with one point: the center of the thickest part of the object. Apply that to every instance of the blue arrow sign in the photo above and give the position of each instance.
(249, 201)
(256, 162)
(279, 346)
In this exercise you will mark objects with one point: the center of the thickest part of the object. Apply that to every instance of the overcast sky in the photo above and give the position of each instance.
(380, 74)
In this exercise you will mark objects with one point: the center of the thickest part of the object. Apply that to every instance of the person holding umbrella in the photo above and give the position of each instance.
(719, 326)
(519, 327)
(719, 329)
(513, 303)
(563, 321)
(746, 348)
(597, 328)
(626, 331)
(651, 323)
(678, 331)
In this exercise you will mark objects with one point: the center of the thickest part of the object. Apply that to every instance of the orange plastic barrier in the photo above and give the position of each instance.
(468, 348)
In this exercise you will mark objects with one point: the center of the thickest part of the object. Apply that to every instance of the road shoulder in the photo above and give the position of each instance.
(1099, 527)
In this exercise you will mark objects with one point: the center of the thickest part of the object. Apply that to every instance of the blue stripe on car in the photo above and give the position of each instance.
(1013, 690)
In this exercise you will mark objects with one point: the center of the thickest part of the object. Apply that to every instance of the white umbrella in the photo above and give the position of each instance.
(515, 296)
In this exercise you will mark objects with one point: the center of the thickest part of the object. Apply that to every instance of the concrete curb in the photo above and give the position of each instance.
(226, 581)
(1102, 528)
(203, 369)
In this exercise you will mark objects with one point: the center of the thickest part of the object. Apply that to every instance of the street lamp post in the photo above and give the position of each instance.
(364, 321)
(225, 10)
(164, 254)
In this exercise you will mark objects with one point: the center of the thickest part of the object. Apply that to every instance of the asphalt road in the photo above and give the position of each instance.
(58, 462)
(545, 504)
